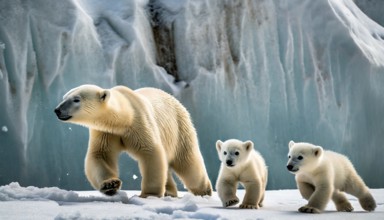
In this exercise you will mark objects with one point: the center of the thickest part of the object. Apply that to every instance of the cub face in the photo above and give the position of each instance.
(303, 157)
(82, 104)
(233, 152)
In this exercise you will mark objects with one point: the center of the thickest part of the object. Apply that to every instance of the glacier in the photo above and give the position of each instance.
(266, 71)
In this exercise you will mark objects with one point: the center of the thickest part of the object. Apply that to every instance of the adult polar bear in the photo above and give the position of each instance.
(150, 125)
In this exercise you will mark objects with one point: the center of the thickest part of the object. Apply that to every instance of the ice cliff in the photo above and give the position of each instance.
(268, 71)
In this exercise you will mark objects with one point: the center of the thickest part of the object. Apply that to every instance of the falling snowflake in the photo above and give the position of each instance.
(4, 129)
(134, 176)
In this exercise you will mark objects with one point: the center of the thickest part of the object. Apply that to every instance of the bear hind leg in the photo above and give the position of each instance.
(341, 202)
(356, 187)
(194, 176)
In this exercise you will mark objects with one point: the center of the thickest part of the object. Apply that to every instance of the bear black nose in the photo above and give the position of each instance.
(229, 162)
(290, 167)
(57, 111)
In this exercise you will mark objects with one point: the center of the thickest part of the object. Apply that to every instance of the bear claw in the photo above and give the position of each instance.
(344, 207)
(231, 202)
(308, 209)
(248, 206)
(110, 187)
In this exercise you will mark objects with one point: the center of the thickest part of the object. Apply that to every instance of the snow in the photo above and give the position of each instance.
(265, 71)
(18, 202)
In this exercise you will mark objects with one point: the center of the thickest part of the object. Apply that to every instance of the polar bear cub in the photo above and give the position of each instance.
(241, 163)
(323, 175)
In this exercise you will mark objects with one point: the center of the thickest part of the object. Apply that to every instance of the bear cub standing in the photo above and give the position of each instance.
(150, 125)
(324, 175)
(241, 163)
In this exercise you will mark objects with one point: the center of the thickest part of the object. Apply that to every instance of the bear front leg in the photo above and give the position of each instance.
(253, 194)
(226, 189)
(170, 187)
(319, 199)
(153, 167)
(101, 167)
(306, 189)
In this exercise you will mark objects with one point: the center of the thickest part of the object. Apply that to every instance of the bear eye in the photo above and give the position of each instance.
(289, 156)
(237, 153)
(76, 100)
(300, 157)
(225, 152)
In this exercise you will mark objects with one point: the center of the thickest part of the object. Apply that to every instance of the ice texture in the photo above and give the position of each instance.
(266, 71)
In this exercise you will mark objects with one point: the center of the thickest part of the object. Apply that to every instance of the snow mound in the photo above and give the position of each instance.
(14, 191)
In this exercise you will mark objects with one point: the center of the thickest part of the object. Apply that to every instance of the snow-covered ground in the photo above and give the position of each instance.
(54, 203)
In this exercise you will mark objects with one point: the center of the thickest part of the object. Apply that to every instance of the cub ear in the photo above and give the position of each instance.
(104, 95)
(290, 144)
(248, 145)
(219, 143)
(318, 151)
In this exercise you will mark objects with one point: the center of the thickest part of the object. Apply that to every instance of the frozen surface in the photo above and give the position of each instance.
(267, 71)
(18, 202)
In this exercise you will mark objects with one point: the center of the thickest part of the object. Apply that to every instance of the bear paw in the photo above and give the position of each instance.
(231, 202)
(308, 209)
(170, 193)
(110, 187)
(368, 203)
(344, 207)
(248, 206)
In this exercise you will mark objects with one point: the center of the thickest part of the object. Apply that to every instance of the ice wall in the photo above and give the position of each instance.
(268, 71)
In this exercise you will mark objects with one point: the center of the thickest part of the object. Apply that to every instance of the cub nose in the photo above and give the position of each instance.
(289, 167)
(229, 162)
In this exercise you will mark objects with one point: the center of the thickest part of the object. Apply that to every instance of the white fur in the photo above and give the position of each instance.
(150, 125)
(324, 175)
(240, 163)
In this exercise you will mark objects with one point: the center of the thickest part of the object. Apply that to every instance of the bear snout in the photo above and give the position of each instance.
(289, 167)
(62, 116)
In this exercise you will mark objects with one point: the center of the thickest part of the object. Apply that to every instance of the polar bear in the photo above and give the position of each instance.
(323, 175)
(150, 125)
(241, 163)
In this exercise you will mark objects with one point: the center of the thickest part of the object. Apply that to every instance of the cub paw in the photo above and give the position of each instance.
(248, 206)
(344, 207)
(110, 187)
(308, 209)
(231, 202)
(368, 203)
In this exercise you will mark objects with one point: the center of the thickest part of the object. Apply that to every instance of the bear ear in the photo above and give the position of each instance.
(290, 144)
(104, 95)
(248, 145)
(318, 151)
(219, 143)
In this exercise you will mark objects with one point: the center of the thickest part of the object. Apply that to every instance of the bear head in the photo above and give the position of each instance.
(303, 157)
(82, 105)
(233, 152)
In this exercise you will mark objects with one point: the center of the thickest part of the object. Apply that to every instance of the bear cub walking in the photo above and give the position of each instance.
(324, 175)
(241, 163)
